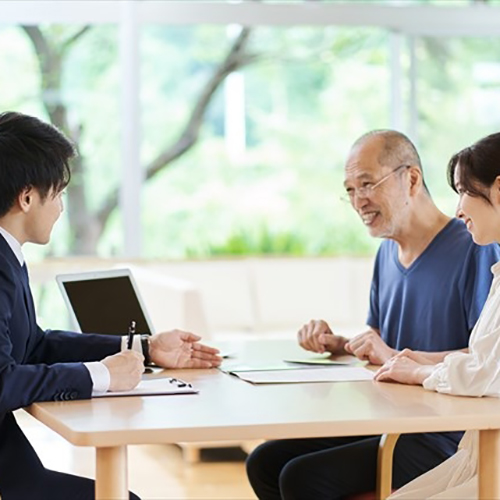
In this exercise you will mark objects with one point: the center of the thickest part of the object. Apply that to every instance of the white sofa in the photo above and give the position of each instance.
(275, 296)
(220, 298)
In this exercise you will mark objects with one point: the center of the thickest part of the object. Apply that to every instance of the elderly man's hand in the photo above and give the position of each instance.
(370, 346)
(316, 336)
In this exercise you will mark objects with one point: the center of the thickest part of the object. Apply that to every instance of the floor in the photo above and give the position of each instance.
(156, 472)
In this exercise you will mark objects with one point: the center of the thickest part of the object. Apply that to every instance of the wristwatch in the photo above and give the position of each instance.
(145, 338)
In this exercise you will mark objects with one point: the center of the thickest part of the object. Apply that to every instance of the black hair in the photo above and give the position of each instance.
(478, 166)
(32, 154)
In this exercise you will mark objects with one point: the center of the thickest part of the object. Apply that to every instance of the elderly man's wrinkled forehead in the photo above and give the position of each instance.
(365, 155)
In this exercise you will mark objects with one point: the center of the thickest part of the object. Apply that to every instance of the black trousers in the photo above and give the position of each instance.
(24, 477)
(51, 485)
(335, 468)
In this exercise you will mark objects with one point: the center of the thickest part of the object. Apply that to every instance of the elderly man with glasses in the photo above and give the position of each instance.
(429, 284)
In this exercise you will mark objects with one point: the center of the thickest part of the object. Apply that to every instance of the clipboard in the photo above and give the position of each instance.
(154, 387)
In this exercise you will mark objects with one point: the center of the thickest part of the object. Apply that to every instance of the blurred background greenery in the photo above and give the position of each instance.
(301, 96)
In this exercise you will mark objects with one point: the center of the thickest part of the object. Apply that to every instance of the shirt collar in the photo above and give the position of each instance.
(14, 245)
(495, 269)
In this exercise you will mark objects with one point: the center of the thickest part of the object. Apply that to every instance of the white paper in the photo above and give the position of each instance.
(154, 386)
(327, 361)
(234, 369)
(337, 374)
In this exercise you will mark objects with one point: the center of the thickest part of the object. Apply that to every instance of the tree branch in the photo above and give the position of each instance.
(42, 48)
(50, 63)
(236, 59)
(74, 38)
(110, 203)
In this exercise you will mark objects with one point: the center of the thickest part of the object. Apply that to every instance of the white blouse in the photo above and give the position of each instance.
(476, 373)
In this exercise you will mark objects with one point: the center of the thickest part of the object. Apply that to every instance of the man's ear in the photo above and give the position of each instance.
(25, 199)
(415, 179)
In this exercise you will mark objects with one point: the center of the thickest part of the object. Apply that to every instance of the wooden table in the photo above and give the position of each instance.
(229, 409)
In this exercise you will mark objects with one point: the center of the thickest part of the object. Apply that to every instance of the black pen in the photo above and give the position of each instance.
(131, 333)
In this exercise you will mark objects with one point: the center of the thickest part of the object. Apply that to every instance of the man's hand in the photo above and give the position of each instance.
(125, 370)
(370, 346)
(178, 349)
(404, 370)
(316, 336)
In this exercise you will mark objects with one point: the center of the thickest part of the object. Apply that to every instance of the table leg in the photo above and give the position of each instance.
(111, 473)
(489, 464)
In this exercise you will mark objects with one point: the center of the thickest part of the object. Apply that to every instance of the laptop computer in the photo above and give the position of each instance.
(104, 302)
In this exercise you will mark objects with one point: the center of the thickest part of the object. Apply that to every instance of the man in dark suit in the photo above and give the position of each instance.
(37, 365)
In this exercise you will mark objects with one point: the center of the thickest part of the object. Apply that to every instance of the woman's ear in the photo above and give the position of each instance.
(25, 199)
(495, 191)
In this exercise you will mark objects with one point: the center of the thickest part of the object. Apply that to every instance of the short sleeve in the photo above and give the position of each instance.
(374, 308)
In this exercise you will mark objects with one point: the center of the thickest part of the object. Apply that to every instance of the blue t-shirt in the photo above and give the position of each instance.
(433, 304)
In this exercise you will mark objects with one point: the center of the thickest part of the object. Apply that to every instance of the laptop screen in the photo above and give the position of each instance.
(104, 302)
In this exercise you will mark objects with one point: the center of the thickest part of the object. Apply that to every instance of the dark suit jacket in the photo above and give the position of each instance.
(35, 366)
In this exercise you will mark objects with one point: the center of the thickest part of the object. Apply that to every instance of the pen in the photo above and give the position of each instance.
(131, 333)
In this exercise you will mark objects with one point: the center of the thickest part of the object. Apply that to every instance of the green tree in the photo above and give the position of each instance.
(52, 46)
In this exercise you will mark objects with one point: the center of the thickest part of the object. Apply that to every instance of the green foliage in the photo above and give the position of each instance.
(313, 92)
(264, 241)
(460, 87)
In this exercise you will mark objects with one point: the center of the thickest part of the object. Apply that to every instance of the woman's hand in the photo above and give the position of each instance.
(404, 370)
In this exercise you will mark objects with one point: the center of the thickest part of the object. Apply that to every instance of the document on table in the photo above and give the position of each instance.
(327, 360)
(332, 374)
(307, 362)
(235, 368)
(154, 387)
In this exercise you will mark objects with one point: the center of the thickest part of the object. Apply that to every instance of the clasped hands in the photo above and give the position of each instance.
(317, 336)
(173, 349)
(407, 366)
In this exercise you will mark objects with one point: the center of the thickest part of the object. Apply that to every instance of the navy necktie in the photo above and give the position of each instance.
(24, 272)
(27, 292)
